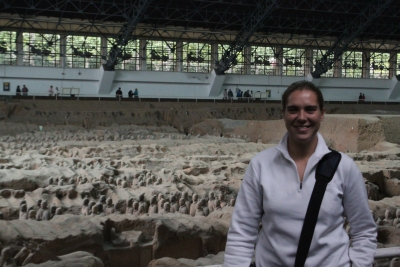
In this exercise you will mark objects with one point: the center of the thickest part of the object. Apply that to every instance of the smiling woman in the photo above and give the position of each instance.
(277, 188)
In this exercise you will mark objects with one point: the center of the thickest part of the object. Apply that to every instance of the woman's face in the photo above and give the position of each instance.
(303, 117)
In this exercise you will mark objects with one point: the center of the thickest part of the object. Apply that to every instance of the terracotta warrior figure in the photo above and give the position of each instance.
(143, 202)
(218, 205)
(221, 198)
(110, 207)
(85, 207)
(53, 209)
(23, 212)
(199, 210)
(206, 211)
(167, 208)
(153, 205)
(174, 204)
(135, 208)
(182, 206)
(161, 206)
(185, 197)
(142, 210)
(211, 201)
(43, 214)
(95, 210)
(193, 206)
(129, 208)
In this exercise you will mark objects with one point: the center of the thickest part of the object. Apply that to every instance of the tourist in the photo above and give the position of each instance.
(136, 93)
(239, 94)
(118, 93)
(25, 90)
(51, 91)
(230, 94)
(225, 94)
(276, 190)
(130, 94)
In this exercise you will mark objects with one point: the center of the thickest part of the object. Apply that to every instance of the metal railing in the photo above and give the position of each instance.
(150, 98)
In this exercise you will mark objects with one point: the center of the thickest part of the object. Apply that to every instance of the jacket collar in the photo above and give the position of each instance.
(319, 152)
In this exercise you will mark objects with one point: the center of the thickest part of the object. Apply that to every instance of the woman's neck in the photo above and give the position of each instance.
(300, 151)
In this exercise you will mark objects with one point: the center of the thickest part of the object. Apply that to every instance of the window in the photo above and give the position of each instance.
(379, 65)
(263, 61)
(130, 56)
(196, 57)
(318, 54)
(160, 55)
(8, 53)
(83, 52)
(237, 66)
(352, 64)
(41, 49)
(293, 62)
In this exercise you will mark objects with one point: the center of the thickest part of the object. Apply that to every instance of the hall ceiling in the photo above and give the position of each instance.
(307, 18)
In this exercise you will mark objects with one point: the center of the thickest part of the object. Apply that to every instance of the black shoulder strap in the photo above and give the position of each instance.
(326, 168)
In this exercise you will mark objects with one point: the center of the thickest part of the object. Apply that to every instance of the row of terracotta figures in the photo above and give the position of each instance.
(159, 205)
(40, 213)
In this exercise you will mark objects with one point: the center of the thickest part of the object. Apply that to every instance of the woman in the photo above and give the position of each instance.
(276, 189)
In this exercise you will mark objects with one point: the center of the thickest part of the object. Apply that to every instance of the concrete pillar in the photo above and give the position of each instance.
(394, 90)
(247, 57)
(63, 50)
(216, 82)
(214, 55)
(392, 64)
(337, 68)
(142, 55)
(20, 48)
(105, 81)
(179, 56)
(279, 67)
(308, 63)
(366, 64)
(104, 50)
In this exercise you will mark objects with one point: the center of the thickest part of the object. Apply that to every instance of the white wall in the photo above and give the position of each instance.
(179, 84)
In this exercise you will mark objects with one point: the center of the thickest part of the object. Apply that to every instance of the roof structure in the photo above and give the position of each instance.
(335, 24)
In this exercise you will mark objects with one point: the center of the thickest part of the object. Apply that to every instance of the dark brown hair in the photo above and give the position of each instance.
(302, 85)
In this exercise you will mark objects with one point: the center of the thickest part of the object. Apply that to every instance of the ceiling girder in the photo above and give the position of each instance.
(134, 16)
(252, 24)
(352, 31)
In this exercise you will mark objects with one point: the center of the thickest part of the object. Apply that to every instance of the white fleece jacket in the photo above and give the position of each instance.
(271, 192)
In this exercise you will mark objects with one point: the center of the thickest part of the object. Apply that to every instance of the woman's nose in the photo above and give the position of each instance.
(302, 115)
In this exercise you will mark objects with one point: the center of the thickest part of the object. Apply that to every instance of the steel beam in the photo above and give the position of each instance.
(252, 24)
(354, 29)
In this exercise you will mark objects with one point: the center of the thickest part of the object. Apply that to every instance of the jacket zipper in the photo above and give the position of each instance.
(301, 185)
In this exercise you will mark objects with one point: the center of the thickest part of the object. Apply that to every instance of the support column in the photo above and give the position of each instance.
(337, 68)
(142, 54)
(103, 51)
(309, 60)
(179, 56)
(216, 82)
(279, 67)
(394, 90)
(63, 50)
(366, 64)
(20, 48)
(105, 81)
(392, 64)
(214, 55)
(247, 63)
